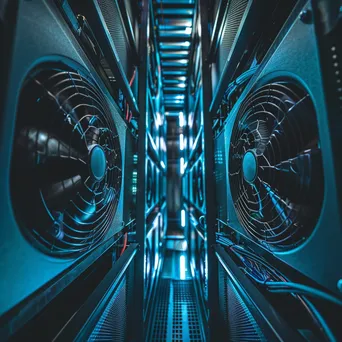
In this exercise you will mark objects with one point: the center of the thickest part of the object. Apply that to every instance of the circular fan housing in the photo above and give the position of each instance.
(66, 166)
(275, 165)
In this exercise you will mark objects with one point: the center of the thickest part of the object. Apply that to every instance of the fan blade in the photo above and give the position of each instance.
(84, 211)
(299, 178)
(39, 145)
(92, 135)
(57, 195)
(283, 209)
(296, 132)
(303, 116)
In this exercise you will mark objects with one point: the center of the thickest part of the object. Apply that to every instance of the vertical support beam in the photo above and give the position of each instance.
(139, 325)
(209, 174)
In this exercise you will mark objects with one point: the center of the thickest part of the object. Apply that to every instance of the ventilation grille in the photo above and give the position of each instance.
(161, 319)
(112, 324)
(66, 164)
(239, 323)
(275, 165)
(112, 17)
(177, 318)
(235, 13)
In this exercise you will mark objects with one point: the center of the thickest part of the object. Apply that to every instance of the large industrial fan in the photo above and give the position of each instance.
(283, 166)
(66, 171)
(275, 165)
(64, 159)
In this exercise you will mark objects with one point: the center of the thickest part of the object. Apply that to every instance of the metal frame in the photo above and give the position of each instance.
(141, 190)
(217, 28)
(270, 258)
(96, 20)
(273, 325)
(247, 24)
(128, 28)
(82, 323)
(21, 314)
(209, 176)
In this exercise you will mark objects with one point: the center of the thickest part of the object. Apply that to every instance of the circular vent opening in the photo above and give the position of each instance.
(66, 166)
(275, 165)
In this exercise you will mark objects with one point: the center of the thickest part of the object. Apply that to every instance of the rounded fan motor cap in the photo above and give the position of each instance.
(98, 162)
(249, 166)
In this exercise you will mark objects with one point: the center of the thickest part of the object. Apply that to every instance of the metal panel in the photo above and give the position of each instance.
(209, 174)
(221, 176)
(239, 323)
(139, 331)
(116, 28)
(177, 317)
(247, 313)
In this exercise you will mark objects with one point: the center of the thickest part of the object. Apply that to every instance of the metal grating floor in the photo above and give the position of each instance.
(177, 317)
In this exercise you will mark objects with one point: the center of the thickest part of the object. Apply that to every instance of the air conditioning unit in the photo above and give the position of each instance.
(283, 189)
(63, 161)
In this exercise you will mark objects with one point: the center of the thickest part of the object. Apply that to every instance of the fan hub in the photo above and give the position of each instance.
(249, 166)
(98, 162)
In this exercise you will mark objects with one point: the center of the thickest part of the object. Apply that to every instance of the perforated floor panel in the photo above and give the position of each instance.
(177, 316)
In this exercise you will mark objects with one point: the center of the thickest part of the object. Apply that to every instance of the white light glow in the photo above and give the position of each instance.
(159, 120)
(162, 164)
(182, 78)
(183, 61)
(180, 97)
(185, 44)
(181, 142)
(183, 218)
(181, 85)
(182, 267)
(162, 144)
(188, 30)
(181, 119)
(156, 261)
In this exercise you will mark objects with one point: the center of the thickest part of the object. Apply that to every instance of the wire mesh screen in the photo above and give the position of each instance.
(238, 323)
(236, 10)
(116, 28)
(114, 323)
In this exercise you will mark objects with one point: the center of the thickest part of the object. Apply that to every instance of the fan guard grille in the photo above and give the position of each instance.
(275, 165)
(66, 166)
